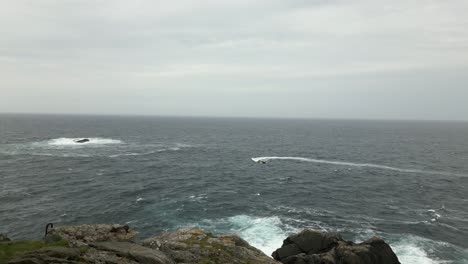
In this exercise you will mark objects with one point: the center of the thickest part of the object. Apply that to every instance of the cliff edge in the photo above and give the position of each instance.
(119, 244)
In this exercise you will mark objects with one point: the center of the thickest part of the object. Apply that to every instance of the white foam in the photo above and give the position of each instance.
(264, 233)
(198, 197)
(132, 154)
(72, 141)
(412, 249)
(352, 164)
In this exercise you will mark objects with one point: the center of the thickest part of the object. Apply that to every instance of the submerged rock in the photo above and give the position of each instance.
(84, 140)
(313, 247)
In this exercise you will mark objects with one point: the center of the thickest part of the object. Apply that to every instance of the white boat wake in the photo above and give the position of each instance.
(352, 164)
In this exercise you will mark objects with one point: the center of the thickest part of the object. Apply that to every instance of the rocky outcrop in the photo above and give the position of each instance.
(313, 247)
(4, 238)
(84, 140)
(113, 244)
(191, 245)
(133, 251)
(84, 234)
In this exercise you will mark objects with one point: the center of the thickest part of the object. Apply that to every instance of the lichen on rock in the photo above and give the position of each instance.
(83, 234)
(191, 245)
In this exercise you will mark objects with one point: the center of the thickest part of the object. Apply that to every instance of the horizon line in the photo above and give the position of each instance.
(234, 117)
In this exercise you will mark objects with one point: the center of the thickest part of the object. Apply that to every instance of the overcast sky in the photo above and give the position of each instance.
(395, 59)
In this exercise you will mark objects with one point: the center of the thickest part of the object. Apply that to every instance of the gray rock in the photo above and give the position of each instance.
(84, 234)
(4, 238)
(314, 242)
(286, 251)
(191, 245)
(133, 251)
(84, 140)
(328, 248)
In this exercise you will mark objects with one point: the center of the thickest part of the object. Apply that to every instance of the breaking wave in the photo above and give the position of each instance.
(264, 233)
(412, 249)
(268, 233)
(352, 164)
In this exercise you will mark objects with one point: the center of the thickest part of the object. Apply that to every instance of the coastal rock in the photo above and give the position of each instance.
(84, 140)
(191, 245)
(81, 255)
(112, 244)
(133, 251)
(313, 247)
(83, 234)
(4, 238)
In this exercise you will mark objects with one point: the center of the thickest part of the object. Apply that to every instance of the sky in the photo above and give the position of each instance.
(363, 59)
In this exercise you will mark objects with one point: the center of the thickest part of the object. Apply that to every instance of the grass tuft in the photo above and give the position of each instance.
(10, 249)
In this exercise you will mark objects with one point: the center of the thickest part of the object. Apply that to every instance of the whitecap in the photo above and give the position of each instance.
(412, 249)
(264, 233)
(183, 145)
(197, 198)
(132, 154)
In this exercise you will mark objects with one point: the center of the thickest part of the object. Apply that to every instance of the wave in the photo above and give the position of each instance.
(412, 249)
(72, 141)
(264, 233)
(96, 147)
(145, 153)
(268, 233)
(352, 164)
(132, 154)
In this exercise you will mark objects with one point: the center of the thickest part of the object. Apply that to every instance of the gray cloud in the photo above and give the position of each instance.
(332, 59)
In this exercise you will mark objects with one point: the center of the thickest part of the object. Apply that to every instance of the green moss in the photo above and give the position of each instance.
(60, 243)
(10, 249)
(83, 249)
(207, 261)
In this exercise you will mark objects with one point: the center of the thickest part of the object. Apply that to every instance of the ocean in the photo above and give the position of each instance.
(260, 178)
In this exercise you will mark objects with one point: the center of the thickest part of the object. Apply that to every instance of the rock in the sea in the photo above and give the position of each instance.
(313, 247)
(4, 238)
(84, 140)
(191, 245)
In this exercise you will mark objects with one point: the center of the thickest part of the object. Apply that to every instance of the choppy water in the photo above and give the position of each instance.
(404, 181)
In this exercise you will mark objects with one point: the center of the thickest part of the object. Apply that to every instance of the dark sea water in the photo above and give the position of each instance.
(404, 181)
